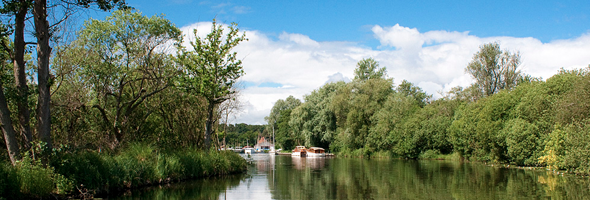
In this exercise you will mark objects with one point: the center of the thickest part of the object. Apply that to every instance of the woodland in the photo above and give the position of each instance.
(505, 117)
(123, 104)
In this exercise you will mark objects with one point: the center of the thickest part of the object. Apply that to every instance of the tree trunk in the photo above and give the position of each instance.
(20, 76)
(209, 125)
(43, 53)
(7, 129)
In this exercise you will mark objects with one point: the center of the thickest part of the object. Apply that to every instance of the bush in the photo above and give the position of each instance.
(9, 181)
(567, 148)
(39, 181)
(138, 165)
(522, 146)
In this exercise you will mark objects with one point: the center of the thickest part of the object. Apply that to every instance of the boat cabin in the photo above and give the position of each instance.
(299, 149)
(316, 150)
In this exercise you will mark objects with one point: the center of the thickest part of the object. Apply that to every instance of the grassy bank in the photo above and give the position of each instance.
(427, 155)
(87, 173)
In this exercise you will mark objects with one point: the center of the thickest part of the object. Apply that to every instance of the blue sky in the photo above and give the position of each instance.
(351, 20)
(297, 46)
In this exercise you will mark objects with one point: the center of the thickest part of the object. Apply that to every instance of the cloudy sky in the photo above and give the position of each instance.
(295, 47)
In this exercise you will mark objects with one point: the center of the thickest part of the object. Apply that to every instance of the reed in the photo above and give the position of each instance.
(91, 172)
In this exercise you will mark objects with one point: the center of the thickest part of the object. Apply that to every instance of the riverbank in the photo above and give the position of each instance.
(434, 155)
(93, 173)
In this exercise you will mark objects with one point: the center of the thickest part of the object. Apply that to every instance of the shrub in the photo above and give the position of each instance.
(39, 181)
(9, 181)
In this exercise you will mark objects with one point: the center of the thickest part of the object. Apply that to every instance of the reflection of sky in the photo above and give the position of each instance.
(256, 185)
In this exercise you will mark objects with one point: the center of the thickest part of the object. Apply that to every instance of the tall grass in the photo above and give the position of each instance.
(92, 172)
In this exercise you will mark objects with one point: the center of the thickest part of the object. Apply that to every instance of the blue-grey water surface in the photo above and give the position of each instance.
(284, 177)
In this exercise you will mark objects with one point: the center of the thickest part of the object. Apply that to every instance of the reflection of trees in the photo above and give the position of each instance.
(341, 178)
(401, 179)
(303, 163)
(210, 188)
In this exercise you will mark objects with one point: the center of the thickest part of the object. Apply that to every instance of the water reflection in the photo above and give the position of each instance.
(302, 163)
(284, 177)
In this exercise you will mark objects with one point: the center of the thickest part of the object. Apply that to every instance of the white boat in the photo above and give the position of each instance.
(299, 151)
(238, 150)
(248, 150)
(316, 152)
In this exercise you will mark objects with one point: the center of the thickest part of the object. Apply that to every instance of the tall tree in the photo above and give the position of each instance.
(125, 63)
(211, 69)
(5, 120)
(494, 69)
(277, 116)
(19, 9)
(367, 69)
(281, 105)
(7, 128)
(415, 92)
(43, 53)
(43, 33)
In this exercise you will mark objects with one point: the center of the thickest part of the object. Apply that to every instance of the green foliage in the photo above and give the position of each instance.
(140, 164)
(278, 121)
(9, 181)
(109, 75)
(522, 142)
(240, 134)
(29, 178)
(211, 68)
(367, 69)
(494, 69)
(567, 148)
(313, 123)
(534, 123)
(410, 90)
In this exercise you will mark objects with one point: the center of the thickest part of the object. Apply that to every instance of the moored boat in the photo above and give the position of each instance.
(248, 150)
(238, 150)
(316, 152)
(299, 151)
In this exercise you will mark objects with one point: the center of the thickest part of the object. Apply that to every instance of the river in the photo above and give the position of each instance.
(284, 177)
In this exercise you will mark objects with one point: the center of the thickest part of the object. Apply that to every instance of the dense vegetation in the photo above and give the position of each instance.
(241, 134)
(90, 172)
(129, 107)
(523, 121)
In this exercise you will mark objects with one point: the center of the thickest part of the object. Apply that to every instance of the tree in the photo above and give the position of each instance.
(43, 33)
(124, 63)
(367, 69)
(20, 8)
(281, 105)
(408, 89)
(212, 69)
(494, 69)
(229, 109)
(5, 120)
(278, 119)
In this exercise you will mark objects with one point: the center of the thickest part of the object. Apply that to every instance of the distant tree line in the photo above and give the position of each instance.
(505, 116)
(242, 134)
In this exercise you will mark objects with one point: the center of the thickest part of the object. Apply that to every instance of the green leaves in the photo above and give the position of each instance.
(494, 69)
(212, 69)
(367, 69)
(115, 66)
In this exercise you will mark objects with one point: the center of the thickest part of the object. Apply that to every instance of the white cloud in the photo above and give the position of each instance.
(433, 60)
(337, 77)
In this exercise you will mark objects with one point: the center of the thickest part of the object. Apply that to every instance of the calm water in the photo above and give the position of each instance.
(284, 177)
